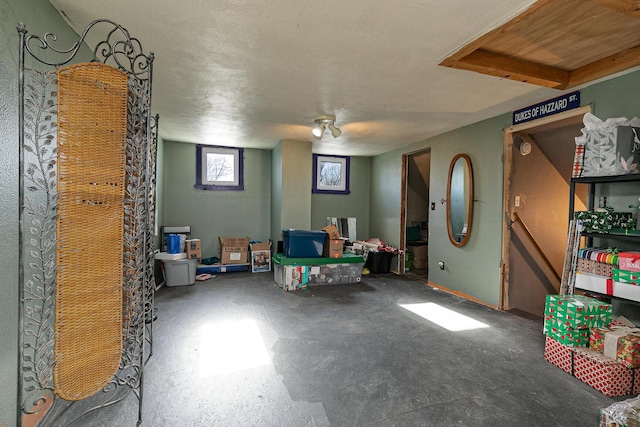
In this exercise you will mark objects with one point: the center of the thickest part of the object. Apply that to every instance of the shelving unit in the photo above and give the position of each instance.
(598, 284)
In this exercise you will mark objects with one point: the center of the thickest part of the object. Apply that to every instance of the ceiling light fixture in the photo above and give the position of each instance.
(323, 122)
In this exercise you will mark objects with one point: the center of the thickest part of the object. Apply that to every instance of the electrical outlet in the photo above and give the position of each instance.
(441, 265)
(433, 206)
(517, 201)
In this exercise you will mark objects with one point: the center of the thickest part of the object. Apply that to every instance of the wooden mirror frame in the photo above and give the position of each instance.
(469, 213)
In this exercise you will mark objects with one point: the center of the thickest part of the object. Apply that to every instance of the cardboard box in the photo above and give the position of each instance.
(193, 249)
(234, 250)
(260, 261)
(420, 255)
(332, 231)
(292, 277)
(262, 246)
(333, 248)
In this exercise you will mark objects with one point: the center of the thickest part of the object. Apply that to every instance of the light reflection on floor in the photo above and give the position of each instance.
(231, 346)
(444, 317)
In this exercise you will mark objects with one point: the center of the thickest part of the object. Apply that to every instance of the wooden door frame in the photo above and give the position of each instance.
(507, 173)
(403, 205)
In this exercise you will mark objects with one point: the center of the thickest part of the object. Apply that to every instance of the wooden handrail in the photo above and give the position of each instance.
(516, 218)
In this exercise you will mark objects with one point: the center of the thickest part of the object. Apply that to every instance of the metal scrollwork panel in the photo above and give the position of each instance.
(39, 242)
(38, 201)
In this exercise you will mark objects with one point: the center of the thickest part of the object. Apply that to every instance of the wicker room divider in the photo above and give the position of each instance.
(87, 147)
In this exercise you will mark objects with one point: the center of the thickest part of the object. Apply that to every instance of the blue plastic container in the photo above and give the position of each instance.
(303, 244)
(173, 244)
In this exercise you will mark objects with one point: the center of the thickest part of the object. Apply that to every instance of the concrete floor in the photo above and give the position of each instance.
(237, 351)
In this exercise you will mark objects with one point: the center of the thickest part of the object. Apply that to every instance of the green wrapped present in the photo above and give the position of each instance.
(625, 276)
(570, 312)
(604, 221)
(573, 338)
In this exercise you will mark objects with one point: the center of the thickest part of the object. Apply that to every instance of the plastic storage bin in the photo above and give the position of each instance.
(379, 262)
(303, 244)
(180, 272)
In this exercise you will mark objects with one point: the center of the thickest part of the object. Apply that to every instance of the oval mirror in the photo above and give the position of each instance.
(460, 200)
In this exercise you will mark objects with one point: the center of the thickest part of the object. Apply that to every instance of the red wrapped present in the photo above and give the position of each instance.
(629, 261)
(606, 375)
(557, 354)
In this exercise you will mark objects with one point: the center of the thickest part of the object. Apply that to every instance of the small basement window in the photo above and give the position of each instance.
(219, 168)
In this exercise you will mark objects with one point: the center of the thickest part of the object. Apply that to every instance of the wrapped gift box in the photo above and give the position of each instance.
(617, 342)
(558, 354)
(629, 260)
(626, 276)
(571, 338)
(603, 373)
(606, 375)
(575, 312)
(595, 267)
(604, 221)
(628, 350)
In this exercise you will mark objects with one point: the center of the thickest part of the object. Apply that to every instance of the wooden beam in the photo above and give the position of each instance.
(629, 7)
(513, 68)
(496, 32)
(605, 67)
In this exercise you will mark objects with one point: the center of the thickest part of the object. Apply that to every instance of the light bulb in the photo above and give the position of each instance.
(318, 130)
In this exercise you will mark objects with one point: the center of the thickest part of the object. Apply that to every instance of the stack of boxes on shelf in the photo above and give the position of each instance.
(609, 273)
(313, 258)
(583, 341)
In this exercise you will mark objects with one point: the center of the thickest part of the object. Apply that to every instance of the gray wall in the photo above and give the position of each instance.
(40, 17)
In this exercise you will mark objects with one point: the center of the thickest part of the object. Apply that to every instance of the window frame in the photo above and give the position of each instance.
(201, 155)
(319, 188)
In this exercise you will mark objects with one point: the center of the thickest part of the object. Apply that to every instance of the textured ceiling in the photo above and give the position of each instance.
(250, 73)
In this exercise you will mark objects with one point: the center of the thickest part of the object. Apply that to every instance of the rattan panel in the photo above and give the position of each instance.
(92, 114)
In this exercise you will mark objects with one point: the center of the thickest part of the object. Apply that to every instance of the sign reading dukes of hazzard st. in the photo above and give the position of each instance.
(557, 105)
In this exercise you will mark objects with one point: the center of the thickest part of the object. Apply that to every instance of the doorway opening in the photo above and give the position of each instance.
(414, 216)
(538, 166)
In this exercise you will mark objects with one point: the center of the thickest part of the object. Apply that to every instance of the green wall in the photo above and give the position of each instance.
(213, 214)
(39, 17)
(277, 195)
(296, 185)
(475, 268)
(355, 204)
